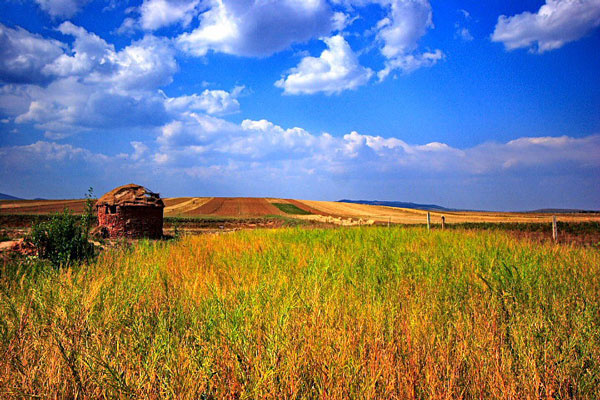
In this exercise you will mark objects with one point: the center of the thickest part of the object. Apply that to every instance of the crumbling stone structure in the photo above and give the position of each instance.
(130, 211)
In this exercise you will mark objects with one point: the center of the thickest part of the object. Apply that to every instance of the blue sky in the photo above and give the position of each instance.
(487, 105)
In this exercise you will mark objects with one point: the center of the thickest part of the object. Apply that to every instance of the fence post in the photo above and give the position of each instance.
(389, 221)
(443, 222)
(554, 228)
(428, 220)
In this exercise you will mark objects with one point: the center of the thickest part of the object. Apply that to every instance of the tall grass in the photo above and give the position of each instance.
(292, 313)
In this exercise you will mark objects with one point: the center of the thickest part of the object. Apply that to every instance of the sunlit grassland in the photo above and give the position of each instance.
(298, 313)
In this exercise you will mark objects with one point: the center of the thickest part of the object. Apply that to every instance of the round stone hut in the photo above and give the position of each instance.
(130, 211)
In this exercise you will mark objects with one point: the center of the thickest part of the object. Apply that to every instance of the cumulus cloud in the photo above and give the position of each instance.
(147, 63)
(335, 70)
(62, 8)
(216, 102)
(400, 32)
(410, 62)
(197, 148)
(23, 55)
(90, 85)
(198, 140)
(68, 106)
(556, 23)
(257, 28)
(155, 14)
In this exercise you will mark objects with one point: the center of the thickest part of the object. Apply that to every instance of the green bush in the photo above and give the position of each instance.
(62, 239)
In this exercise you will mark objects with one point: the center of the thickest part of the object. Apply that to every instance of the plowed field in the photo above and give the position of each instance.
(40, 206)
(237, 206)
(256, 207)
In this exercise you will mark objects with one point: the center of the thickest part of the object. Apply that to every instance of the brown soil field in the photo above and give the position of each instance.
(237, 206)
(40, 206)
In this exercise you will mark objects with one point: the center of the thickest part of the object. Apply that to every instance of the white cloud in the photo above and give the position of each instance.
(62, 8)
(147, 63)
(464, 34)
(216, 102)
(257, 28)
(23, 55)
(68, 106)
(337, 69)
(41, 152)
(460, 30)
(139, 150)
(556, 23)
(91, 86)
(156, 14)
(193, 130)
(202, 141)
(410, 62)
(406, 23)
(400, 32)
(199, 149)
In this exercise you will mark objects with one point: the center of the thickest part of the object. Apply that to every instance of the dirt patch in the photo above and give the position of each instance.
(20, 246)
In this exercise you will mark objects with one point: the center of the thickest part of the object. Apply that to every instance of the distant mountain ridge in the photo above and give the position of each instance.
(399, 204)
(8, 197)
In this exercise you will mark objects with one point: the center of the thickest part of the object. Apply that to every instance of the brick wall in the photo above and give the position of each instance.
(132, 222)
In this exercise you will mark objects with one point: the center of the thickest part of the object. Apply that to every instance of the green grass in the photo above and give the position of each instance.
(291, 209)
(296, 313)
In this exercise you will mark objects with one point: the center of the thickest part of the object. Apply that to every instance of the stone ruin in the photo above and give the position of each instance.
(130, 211)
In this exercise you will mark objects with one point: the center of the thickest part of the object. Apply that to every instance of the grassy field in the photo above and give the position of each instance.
(307, 313)
(289, 208)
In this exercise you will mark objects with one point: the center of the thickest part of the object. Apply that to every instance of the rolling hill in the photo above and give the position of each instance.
(4, 196)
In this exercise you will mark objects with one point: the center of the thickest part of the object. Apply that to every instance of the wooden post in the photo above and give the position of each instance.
(554, 229)
(389, 221)
(428, 220)
(443, 222)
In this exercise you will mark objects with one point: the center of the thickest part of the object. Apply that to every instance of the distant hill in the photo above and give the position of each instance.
(399, 204)
(8, 197)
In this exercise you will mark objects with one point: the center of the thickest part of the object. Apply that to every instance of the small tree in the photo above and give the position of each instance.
(88, 211)
(64, 238)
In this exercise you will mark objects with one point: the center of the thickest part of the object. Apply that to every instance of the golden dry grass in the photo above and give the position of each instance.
(365, 313)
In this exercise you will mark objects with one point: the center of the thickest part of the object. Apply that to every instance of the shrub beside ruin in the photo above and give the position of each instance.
(62, 240)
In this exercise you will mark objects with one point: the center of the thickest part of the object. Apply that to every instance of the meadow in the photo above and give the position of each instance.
(366, 312)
